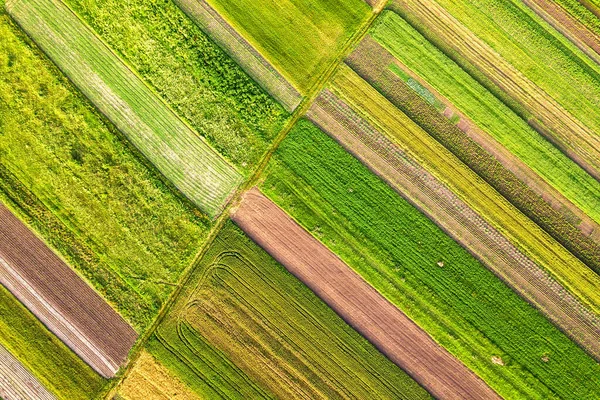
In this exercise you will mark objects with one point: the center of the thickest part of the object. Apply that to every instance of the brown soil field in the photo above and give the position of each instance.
(61, 299)
(360, 305)
(457, 219)
(17, 383)
(566, 132)
(586, 40)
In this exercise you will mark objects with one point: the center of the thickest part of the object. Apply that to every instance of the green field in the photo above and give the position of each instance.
(254, 313)
(69, 174)
(463, 306)
(489, 113)
(191, 73)
(299, 37)
(60, 370)
(187, 161)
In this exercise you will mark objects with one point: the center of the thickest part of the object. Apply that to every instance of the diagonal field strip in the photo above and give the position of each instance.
(199, 172)
(357, 302)
(16, 382)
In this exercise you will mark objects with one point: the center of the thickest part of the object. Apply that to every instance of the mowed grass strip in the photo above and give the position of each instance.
(460, 303)
(201, 174)
(529, 238)
(49, 360)
(487, 112)
(67, 172)
(299, 37)
(275, 330)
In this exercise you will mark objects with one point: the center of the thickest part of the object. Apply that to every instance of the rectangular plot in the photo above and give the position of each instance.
(180, 154)
(70, 308)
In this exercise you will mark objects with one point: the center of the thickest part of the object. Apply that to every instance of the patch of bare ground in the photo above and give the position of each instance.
(586, 40)
(360, 305)
(565, 131)
(456, 218)
(17, 383)
(242, 52)
(61, 299)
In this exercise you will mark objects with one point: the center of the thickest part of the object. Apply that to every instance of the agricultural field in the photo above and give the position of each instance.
(394, 247)
(16, 382)
(280, 341)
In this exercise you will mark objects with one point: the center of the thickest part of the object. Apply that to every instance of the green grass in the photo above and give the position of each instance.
(489, 113)
(242, 306)
(200, 173)
(42, 353)
(69, 175)
(581, 13)
(463, 306)
(191, 73)
(299, 37)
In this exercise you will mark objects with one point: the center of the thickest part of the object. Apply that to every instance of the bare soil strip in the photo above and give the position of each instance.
(361, 306)
(456, 218)
(242, 52)
(66, 304)
(586, 40)
(17, 383)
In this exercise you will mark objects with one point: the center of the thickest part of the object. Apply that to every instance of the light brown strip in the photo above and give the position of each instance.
(360, 305)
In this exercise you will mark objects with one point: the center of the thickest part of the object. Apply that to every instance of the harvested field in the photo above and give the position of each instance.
(529, 238)
(566, 119)
(456, 218)
(61, 299)
(498, 167)
(178, 153)
(150, 380)
(17, 383)
(242, 52)
(384, 325)
(246, 328)
(419, 268)
(300, 38)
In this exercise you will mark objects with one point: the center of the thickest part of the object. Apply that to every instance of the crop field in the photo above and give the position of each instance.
(187, 161)
(532, 66)
(298, 37)
(356, 301)
(281, 340)
(536, 244)
(68, 174)
(461, 304)
(43, 354)
(16, 382)
(487, 112)
(53, 292)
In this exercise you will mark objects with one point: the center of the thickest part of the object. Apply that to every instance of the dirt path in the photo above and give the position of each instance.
(361, 306)
(63, 301)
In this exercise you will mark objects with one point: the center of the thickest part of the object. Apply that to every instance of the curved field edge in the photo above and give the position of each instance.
(462, 305)
(178, 336)
(69, 174)
(178, 153)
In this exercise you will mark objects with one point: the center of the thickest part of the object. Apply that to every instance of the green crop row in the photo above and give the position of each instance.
(487, 112)
(461, 304)
(187, 161)
(69, 175)
(190, 72)
(248, 306)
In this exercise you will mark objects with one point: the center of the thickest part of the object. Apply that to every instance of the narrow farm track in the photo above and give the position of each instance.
(70, 308)
(298, 113)
(455, 217)
(361, 306)
(17, 383)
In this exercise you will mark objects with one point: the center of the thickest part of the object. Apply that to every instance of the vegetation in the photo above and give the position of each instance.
(461, 304)
(68, 174)
(489, 113)
(299, 37)
(305, 348)
(190, 73)
(44, 354)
